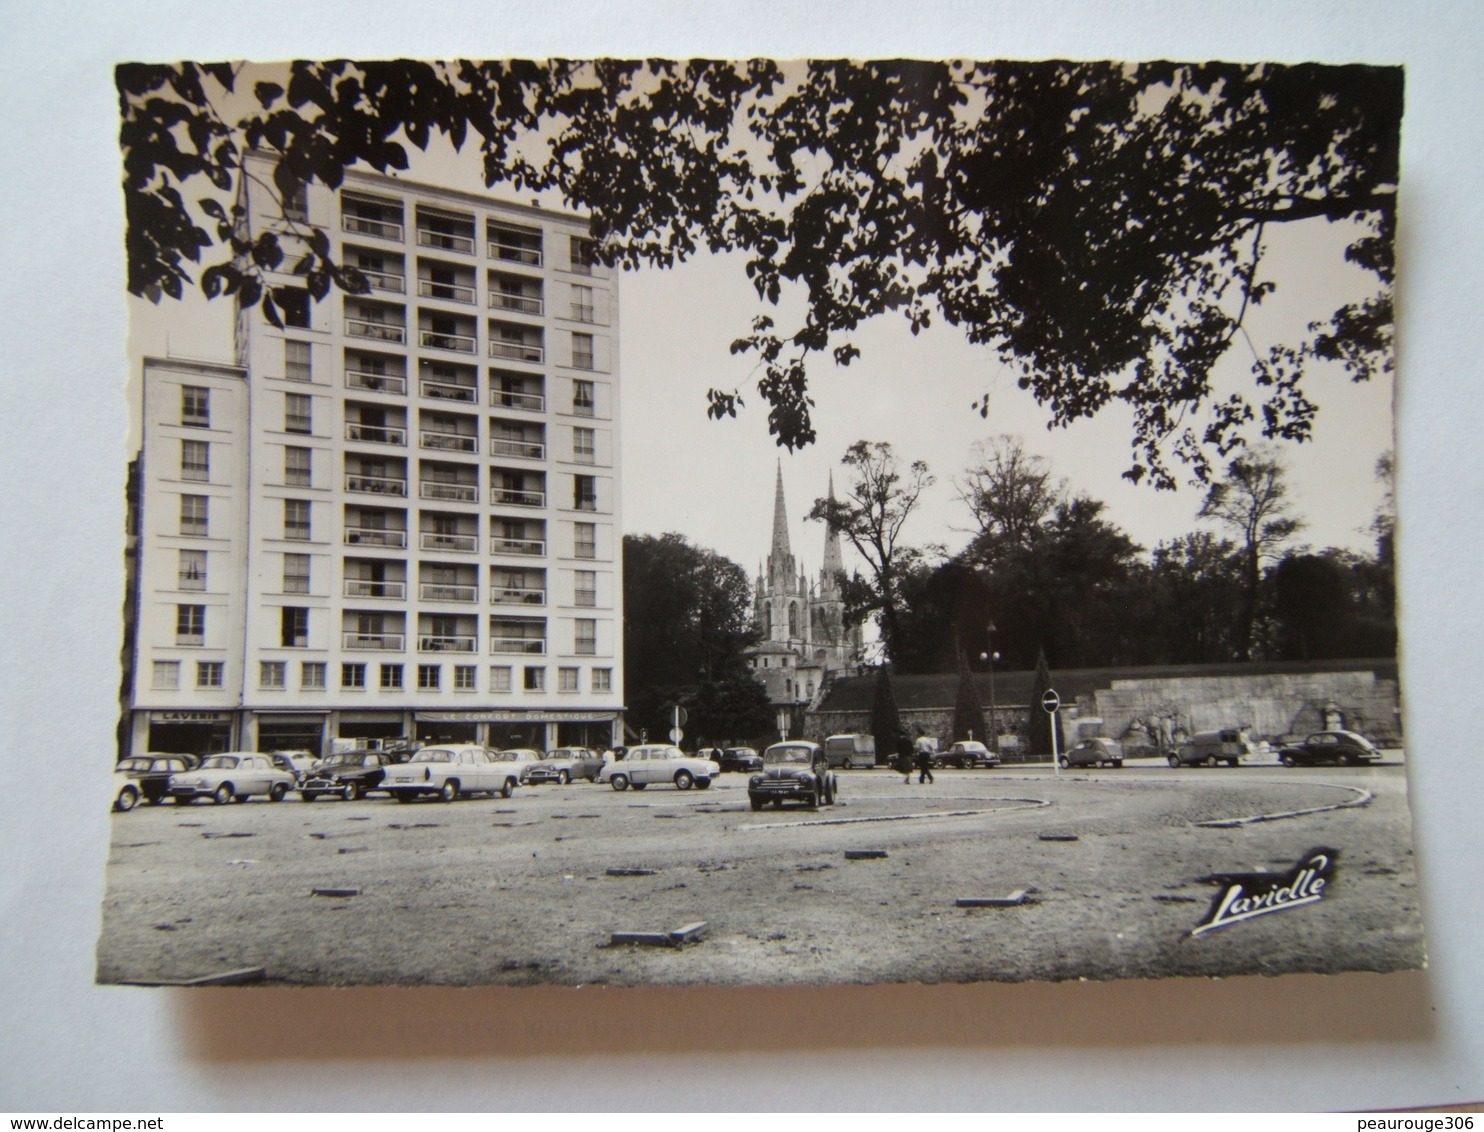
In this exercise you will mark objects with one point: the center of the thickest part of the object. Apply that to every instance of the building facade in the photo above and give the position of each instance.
(804, 641)
(397, 516)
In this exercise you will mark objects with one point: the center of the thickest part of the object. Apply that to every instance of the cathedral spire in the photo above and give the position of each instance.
(829, 573)
(780, 560)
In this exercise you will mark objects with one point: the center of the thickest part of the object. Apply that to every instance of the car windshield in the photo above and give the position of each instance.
(741, 752)
(220, 762)
(559, 754)
(433, 755)
(133, 764)
(510, 756)
(789, 755)
(343, 760)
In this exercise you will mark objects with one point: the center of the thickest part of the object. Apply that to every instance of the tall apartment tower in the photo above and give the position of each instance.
(396, 517)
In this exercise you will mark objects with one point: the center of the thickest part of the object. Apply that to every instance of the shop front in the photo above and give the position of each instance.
(371, 728)
(292, 731)
(189, 732)
(502, 729)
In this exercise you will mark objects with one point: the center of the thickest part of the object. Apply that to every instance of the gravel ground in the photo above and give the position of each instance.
(517, 891)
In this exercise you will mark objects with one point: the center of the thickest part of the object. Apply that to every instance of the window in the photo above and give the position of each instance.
(352, 675)
(585, 591)
(584, 398)
(297, 469)
(585, 540)
(584, 254)
(585, 493)
(272, 674)
(166, 674)
(191, 570)
(535, 678)
(429, 676)
(582, 351)
(293, 627)
(193, 519)
(209, 673)
(585, 445)
(312, 674)
(296, 519)
(293, 305)
(464, 678)
(586, 636)
(582, 303)
(298, 361)
(602, 679)
(296, 573)
(298, 412)
(195, 406)
(499, 678)
(296, 203)
(567, 679)
(190, 624)
(391, 677)
(195, 460)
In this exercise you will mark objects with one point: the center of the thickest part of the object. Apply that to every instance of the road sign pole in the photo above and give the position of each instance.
(1050, 702)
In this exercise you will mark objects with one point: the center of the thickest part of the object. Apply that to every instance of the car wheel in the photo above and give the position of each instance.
(128, 798)
(1345, 759)
(683, 780)
(223, 794)
(756, 803)
(563, 777)
(1065, 762)
(277, 791)
(450, 790)
(1211, 760)
(619, 782)
(703, 784)
(1174, 761)
(507, 788)
(351, 791)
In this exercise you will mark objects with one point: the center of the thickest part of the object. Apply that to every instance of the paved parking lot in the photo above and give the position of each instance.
(1115, 865)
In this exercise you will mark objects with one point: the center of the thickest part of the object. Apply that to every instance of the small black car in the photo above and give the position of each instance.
(740, 758)
(348, 774)
(796, 770)
(1343, 747)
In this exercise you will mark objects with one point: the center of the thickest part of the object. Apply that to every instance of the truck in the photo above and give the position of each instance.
(850, 751)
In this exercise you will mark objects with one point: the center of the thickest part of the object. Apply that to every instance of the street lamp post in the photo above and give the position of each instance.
(991, 656)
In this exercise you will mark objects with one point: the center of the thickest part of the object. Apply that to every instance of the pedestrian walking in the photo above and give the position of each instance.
(904, 758)
(924, 767)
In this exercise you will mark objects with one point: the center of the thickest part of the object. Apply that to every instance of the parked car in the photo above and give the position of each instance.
(452, 770)
(1211, 748)
(348, 774)
(850, 751)
(1343, 747)
(146, 778)
(233, 776)
(563, 764)
(298, 762)
(1094, 752)
(796, 770)
(967, 753)
(743, 759)
(659, 762)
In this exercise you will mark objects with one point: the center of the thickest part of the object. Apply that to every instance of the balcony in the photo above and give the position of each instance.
(588, 599)
(526, 547)
(447, 391)
(376, 331)
(518, 351)
(375, 382)
(505, 645)
(584, 312)
(462, 544)
(385, 280)
(375, 536)
(506, 399)
(375, 485)
(521, 304)
(525, 449)
(366, 226)
(511, 248)
(356, 587)
(385, 642)
(429, 643)
(450, 492)
(448, 441)
(458, 343)
(444, 241)
(441, 591)
(375, 434)
(516, 497)
(515, 595)
(452, 292)
(583, 408)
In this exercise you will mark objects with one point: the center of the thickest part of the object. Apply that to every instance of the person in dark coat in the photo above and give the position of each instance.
(903, 763)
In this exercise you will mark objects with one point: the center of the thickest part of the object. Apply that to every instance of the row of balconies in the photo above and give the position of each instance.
(385, 539)
(528, 349)
(383, 219)
(455, 492)
(396, 385)
(449, 592)
(396, 436)
(397, 642)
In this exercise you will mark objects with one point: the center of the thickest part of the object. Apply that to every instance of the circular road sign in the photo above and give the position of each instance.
(1050, 701)
(676, 734)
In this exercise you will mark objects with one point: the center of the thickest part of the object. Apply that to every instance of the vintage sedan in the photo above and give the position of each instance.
(1343, 747)
(1094, 752)
(346, 774)
(563, 764)
(793, 771)
(744, 759)
(146, 778)
(659, 762)
(968, 754)
(451, 771)
(232, 777)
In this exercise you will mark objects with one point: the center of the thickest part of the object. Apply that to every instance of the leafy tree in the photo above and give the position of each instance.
(1101, 225)
(878, 500)
(1252, 501)
(1010, 494)
(1042, 721)
(968, 716)
(1195, 584)
(886, 722)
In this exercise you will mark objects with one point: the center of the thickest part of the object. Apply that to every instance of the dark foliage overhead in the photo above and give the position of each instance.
(1100, 225)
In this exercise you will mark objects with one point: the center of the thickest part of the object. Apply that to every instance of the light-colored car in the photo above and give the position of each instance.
(297, 762)
(1094, 752)
(563, 764)
(146, 778)
(1212, 748)
(451, 770)
(232, 777)
(659, 762)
